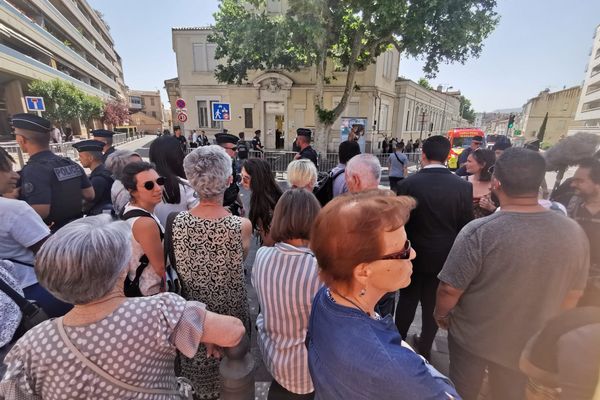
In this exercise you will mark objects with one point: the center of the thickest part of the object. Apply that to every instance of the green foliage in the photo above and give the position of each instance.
(349, 33)
(325, 116)
(425, 83)
(466, 111)
(64, 102)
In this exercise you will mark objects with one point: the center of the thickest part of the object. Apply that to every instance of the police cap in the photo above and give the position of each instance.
(31, 123)
(102, 133)
(304, 132)
(89, 145)
(223, 138)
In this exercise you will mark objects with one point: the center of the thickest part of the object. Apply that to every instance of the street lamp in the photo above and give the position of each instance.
(445, 102)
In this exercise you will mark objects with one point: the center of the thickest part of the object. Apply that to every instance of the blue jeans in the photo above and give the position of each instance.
(51, 305)
(468, 370)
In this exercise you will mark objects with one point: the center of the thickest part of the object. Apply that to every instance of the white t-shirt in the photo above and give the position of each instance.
(188, 200)
(20, 228)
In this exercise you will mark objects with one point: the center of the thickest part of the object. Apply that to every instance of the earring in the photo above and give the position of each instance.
(362, 292)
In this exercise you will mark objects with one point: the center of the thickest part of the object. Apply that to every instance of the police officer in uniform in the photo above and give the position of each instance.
(232, 199)
(53, 186)
(106, 137)
(90, 156)
(306, 150)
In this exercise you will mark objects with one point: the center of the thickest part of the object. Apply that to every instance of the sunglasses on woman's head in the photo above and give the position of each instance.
(403, 254)
(149, 185)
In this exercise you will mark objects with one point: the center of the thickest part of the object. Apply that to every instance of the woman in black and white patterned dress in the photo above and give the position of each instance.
(210, 245)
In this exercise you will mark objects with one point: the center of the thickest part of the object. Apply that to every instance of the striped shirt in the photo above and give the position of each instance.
(286, 280)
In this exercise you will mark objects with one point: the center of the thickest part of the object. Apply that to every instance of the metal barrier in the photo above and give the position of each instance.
(62, 149)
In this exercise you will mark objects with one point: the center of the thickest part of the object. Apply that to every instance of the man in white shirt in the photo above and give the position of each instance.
(22, 233)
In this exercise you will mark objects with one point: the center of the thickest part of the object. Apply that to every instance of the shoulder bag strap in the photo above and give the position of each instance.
(398, 158)
(19, 262)
(102, 373)
(22, 302)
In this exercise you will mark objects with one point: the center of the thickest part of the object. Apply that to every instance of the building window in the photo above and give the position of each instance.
(154, 114)
(407, 119)
(204, 57)
(151, 101)
(202, 114)
(248, 123)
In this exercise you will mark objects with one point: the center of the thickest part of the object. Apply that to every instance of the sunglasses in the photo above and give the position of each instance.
(403, 254)
(149, 185)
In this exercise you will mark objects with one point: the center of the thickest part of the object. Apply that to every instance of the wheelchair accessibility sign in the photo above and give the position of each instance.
(221, 112)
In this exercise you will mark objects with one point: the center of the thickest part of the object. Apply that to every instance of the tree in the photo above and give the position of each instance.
(91, 107)
(466, 111)
(425, 83)
(116, 113)
(63, 100)
(348, 34)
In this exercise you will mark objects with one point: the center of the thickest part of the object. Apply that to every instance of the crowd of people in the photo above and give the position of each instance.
(147, 289)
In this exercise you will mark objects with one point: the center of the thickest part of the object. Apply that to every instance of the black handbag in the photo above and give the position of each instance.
(32, 313)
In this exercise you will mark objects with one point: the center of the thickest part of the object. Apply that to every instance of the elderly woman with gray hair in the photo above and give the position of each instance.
(115, 163)
(209, 245)
(107, 346)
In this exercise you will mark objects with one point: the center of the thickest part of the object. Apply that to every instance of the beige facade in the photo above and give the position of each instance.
(560, 106)
(420, 111)
(146, 102)
(587, 117)
(145, 123)
(277, 100)
(55, 39)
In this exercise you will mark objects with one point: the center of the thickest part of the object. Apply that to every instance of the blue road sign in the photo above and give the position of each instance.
(35, 103)
(221, 112)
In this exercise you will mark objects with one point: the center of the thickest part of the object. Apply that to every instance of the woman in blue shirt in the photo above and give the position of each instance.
(363, 252)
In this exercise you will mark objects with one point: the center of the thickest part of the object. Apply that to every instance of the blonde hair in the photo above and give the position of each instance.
(302, 174)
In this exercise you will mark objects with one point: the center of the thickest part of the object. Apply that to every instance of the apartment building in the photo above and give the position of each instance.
(587, 117)
(146, 110)
(55, 39)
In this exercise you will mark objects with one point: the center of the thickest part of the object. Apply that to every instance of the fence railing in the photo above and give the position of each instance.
(65, 149)
(279, 160)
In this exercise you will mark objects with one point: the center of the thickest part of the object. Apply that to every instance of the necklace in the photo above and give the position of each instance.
(349, 301)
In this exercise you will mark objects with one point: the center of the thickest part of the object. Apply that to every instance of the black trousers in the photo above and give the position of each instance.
(422, 288)
(278, 392)
(394, 183)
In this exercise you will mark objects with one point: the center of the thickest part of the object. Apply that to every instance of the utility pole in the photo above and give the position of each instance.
(445, 102)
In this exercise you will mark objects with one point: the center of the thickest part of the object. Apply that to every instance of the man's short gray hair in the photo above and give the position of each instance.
(366, 166)
(118, 160)
(208, 169)
(83, 260)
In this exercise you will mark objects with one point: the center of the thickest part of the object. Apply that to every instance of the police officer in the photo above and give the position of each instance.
(90, 156)
(306, 150)
(106, 137)
(53, 186)
(232, 198)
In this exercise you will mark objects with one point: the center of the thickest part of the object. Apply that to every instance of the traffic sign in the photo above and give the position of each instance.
(35, 103)
(180, 103)
(221, 112)
(182, 117)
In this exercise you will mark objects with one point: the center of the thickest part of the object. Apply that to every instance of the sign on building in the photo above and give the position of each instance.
(221, 112)
(180, 103)
(35, 103)
(182, 117)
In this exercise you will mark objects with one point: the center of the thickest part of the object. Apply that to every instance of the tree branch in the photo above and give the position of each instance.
(349, 89)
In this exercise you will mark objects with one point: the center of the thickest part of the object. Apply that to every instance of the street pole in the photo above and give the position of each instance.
(422, 123)
(445, 102)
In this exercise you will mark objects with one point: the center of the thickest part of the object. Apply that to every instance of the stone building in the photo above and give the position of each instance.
(420, 111)
(149, 103)
(55, 39)
(274, 101)
(560, 107)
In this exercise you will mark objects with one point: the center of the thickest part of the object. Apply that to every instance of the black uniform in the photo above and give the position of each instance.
(102, 181)
(108, 153)
(310, 154)
(231, 198)
(57, 181)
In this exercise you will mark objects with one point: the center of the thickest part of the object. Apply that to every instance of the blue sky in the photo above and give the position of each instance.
(538, 44)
